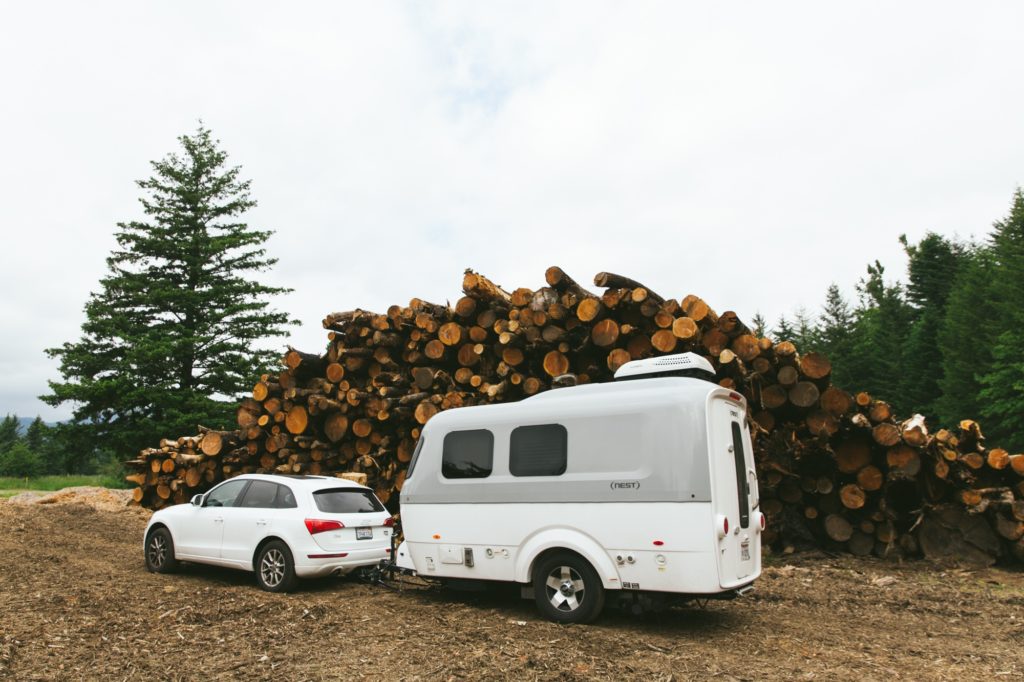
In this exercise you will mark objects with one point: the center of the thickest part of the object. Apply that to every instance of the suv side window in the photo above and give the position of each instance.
(259, 495)
(225, 494)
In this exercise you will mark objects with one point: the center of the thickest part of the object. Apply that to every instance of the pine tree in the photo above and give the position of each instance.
(966, 337)
(1003, 381)
(10, 432)
(932, 266)
(783, 330)
(172, 335)
(35, 435)
(835, 333)
(883, 321)
(804, 332)
(759, 325)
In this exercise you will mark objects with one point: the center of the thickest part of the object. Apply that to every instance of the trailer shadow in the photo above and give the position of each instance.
(505, 601)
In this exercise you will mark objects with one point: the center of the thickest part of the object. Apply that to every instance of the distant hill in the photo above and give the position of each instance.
(23, 423)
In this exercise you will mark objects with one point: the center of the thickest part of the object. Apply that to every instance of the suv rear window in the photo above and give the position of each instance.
(347, 501)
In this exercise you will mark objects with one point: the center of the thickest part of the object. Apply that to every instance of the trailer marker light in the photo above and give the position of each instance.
(436, 536)
(658, 543)
(735, 396)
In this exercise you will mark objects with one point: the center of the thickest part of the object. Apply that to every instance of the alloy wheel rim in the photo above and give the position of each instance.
(157, 551)
(272, 568)
(565, 589)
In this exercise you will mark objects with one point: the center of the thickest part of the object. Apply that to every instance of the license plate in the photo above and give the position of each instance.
(745, 551)
(364, 533)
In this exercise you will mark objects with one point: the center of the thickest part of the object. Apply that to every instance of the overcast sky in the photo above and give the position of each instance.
(750, 153)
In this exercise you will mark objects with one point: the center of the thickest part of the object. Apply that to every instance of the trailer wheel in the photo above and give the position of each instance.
(567, 589)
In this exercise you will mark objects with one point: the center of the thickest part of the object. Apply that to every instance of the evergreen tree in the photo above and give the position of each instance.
(20, 461)
(1003, 391)
(966, 338)
(883, 324)
(35, 435)
(171, 335)
(783, 330)
(804, 333)
(931, 269)
(10, 432)
(760, 325)
(835, 330)
(1003, 380)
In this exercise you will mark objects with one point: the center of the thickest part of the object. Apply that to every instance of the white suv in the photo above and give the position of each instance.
(281, 527)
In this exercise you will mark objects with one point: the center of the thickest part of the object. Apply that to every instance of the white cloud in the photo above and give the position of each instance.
(751, 155)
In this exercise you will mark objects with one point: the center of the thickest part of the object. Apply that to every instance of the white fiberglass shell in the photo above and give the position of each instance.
(635, 441)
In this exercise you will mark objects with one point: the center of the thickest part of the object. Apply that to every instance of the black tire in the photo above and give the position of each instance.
(160, 552)
(275, 568)
(567, 589)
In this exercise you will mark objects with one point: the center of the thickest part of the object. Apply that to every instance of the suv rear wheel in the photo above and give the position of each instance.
(275, 569)
(567, 589)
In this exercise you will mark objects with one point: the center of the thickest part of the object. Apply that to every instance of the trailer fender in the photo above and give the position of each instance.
(572, 540)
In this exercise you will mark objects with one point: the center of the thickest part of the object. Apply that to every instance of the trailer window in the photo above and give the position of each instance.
(538, 450)
(468, 454)
(415, 458)
(742, 491)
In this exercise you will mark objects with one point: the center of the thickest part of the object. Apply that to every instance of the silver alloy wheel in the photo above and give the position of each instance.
(565, 588)
(157, 551)
(272, 568)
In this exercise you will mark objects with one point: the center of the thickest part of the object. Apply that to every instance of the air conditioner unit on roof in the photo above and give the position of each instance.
(682, 364)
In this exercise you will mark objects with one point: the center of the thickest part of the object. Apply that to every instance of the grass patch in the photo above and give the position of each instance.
(10, 485)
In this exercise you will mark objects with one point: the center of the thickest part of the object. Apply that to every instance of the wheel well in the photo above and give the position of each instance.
(263, 543)
(157, 526)
(556, 550)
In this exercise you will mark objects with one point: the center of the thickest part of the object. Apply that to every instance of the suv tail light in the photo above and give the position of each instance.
(389, 522)
(315, 526)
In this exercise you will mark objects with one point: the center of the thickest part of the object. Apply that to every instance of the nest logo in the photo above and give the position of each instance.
(625, 485)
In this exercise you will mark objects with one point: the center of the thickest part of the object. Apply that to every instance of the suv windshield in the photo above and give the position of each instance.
(347, 501)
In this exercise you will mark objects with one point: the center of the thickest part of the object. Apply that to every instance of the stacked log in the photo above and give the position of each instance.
(835, 470)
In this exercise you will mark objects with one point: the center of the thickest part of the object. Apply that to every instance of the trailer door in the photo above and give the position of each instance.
(734, 490)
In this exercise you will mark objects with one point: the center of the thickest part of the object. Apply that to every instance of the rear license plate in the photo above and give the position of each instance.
(364, 533)
(745, 551)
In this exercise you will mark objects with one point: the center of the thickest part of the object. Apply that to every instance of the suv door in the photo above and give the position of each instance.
(202, 535)
(253, 518)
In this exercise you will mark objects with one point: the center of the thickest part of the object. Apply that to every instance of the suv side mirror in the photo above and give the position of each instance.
(197, 500)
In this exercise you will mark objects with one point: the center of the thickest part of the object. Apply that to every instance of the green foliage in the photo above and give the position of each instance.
(49, 483)
(1003, 392)
(835, 330)
(171, 337)
(759, 325)
(882, 324)
(783, 330)
(9, 432)
(20, 461)
(931, 270)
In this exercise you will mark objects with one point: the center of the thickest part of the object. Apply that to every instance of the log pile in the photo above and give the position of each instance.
(836, 470)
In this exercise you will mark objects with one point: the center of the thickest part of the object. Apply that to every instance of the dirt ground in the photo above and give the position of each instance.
(77, 603)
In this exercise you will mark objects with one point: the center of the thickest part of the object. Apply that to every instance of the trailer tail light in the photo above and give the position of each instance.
(315, 526)
(389, 522)
(722, 526)
(736, 396)
(761, 520)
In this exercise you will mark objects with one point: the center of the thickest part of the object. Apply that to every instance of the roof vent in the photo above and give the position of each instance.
(682, 364)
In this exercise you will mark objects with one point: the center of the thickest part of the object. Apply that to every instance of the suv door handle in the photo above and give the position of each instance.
(219, 519)
(261, 522)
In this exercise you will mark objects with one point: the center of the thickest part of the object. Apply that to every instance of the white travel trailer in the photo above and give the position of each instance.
(644, 486)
